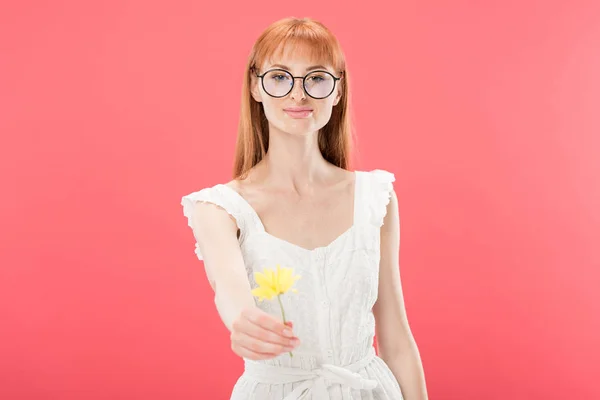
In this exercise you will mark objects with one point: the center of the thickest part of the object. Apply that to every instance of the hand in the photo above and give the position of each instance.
(257, 335)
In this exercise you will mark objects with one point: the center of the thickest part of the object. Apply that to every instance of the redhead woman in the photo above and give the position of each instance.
(294, 201)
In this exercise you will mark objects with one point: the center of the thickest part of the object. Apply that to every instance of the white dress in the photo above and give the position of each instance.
(332, 310)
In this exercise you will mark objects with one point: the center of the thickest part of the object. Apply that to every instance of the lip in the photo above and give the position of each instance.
(296, 113)
(297, 109)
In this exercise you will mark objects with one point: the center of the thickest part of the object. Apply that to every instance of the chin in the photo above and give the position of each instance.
(298, 128)
(298, 132)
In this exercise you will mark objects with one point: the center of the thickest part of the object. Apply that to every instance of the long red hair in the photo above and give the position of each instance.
(335, 138)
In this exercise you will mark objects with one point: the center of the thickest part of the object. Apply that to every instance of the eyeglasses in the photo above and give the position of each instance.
(279, 83)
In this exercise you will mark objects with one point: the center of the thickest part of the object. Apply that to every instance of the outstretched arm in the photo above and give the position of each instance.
(216, 233)
(255, 334)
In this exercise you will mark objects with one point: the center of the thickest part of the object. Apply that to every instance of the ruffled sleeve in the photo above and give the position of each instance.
(215, 195)
(382, 186)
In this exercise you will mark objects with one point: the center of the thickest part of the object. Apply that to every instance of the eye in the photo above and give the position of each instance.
(317, 78)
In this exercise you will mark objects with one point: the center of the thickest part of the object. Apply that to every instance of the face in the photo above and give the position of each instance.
(296, 113)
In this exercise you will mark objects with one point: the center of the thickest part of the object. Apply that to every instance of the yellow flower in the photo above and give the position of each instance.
(273, 283)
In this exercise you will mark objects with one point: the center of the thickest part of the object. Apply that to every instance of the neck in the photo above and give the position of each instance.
(294, 161)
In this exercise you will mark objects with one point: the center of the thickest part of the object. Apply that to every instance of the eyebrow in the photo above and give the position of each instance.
(307, 69)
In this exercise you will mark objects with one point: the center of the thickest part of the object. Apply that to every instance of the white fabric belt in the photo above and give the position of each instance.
(313, 381)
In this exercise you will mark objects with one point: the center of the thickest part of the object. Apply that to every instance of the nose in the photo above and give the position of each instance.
(298, 90)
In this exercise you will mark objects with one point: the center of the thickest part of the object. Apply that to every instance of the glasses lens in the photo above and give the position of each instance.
(277, 83)
(319, 84)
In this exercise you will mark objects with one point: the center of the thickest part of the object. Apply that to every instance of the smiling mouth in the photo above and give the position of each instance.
(298, 113)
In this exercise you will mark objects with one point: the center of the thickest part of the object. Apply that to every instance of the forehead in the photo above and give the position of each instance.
(298, 57)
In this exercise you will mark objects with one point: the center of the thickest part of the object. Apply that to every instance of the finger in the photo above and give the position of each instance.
(259, 333)
(290, 324)
(244, 352)
(270, 323)
(259, 346)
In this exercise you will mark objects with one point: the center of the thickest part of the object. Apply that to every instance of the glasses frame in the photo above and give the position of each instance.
(335, 79)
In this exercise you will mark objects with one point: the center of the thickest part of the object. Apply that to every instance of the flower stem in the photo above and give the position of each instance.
(283, 315)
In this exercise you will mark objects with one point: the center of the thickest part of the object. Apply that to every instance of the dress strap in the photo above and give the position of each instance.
(374, 196)
(225, 198)
(252, 220)
(361, 193)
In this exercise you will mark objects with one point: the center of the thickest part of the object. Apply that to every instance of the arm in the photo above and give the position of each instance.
(216, 233)
(255, 334)
(396, 344)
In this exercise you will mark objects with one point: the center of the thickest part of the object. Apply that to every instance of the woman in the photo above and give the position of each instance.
(293, 201)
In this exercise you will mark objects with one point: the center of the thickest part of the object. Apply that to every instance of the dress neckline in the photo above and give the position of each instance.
(293, 245)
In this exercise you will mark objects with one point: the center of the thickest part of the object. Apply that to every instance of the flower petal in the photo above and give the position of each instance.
(278, 279)
(263, 293)
(285, 280)
(262, 279)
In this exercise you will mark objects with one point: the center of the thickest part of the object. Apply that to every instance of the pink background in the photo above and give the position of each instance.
(487, 112)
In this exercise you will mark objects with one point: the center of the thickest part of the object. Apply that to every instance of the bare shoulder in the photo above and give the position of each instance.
(250, 187)
(341, 172)
(342, 177)
(238, 185)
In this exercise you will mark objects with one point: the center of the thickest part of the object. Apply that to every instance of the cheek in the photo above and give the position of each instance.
(270, 108)
(324, 113)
